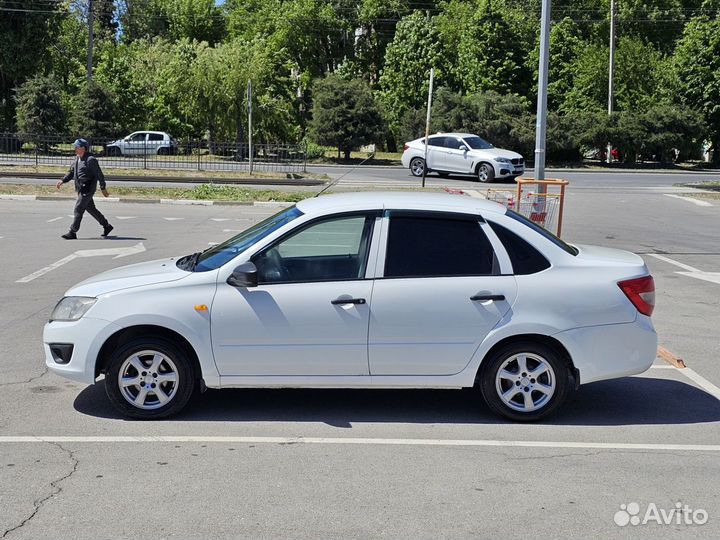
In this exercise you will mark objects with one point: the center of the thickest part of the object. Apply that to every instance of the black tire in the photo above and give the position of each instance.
(485, 173)
(417, 164)
(113, 151)
(559, 377)
(163, 151)
(178, 392)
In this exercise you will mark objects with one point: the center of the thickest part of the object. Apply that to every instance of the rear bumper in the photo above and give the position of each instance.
(611, 351)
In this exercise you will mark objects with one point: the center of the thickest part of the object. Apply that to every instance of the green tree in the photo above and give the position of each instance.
(39, 109)
(490, 55)
(670, 128)
(697, 63)
(92, 113)
(199, 20)
(26, 38)
(405, 79)
(345, 114)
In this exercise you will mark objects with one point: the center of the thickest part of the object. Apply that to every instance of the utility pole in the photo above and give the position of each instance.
(541, 127)
(611, 75)
(427, 123)
(91, 39)
(250, 144)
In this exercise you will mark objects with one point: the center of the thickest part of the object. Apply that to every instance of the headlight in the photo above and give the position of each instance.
(72, 308)
(503, 160)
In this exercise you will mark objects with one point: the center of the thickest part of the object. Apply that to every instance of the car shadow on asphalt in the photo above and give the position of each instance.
(620, 402)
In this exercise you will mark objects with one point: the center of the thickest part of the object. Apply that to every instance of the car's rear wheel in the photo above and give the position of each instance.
(163, 151)
(149, 378)
(485, 173)
(417, 166)
(525, 381)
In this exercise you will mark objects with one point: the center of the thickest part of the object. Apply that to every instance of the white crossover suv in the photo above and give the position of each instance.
(365, 290)
(462, 153)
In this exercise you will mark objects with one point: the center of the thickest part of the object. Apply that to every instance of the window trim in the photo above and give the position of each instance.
(438, 214)
(368, 228)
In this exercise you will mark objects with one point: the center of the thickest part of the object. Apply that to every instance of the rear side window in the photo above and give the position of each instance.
(436, 247)
(155, 137)
(525, 259)
(436, 141)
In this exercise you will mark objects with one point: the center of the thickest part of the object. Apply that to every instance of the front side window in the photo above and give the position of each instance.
(217, 256)
(420, 246)
(476, 143)
(138, 137)
(334, 249)
(453, 143)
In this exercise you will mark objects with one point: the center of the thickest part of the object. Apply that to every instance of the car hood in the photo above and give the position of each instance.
(497, 152)
(125, 277)
(610, 256)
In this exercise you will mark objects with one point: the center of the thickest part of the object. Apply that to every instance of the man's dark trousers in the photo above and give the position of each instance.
(85, 202)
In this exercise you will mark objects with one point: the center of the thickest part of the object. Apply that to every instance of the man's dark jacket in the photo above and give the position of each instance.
(87, 173)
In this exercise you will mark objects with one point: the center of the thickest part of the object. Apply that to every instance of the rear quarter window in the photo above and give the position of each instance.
(525, 259)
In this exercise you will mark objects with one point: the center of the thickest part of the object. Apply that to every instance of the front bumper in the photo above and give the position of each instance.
(86, 336)
(613, 350)
(508, 169)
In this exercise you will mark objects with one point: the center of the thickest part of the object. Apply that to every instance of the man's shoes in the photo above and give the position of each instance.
(69, 236)
(106, 229)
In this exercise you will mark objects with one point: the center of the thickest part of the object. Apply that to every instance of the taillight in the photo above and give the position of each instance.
(405, 147)
(641, 292)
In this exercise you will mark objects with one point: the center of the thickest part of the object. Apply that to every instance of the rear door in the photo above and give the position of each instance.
(439, 294)
(435, 153)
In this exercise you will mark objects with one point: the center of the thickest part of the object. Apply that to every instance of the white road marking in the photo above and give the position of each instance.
(173, 218)
(364, 441)
(125, 217)
(118, 252)
(698, 202)
(54, 219)
(660, 366)
(220, 219)
(233, 230)
(691, 271)
(701, 381)
(676, 263)
(713, 277)
(213, 243)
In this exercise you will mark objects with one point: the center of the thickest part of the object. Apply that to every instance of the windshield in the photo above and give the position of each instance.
(543, 231)
(216, 256)
(476, 143)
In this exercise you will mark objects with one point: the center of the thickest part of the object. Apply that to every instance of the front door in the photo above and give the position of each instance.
(309, 314)
(441, 293)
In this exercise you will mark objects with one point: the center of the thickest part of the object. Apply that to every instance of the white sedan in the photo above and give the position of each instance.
(462, 153)
(376, 290)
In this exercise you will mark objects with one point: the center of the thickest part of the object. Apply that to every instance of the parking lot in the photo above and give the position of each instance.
(331, 463)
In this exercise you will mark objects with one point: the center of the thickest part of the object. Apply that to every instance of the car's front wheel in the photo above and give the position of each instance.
(113, 151)
(417, 166)
(485, 173)
(525, 381)
(149, 378)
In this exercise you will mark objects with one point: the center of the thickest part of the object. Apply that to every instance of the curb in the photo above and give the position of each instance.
(301, 181)
(176, 202)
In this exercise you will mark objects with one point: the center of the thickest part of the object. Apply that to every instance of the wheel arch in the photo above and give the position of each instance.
(541, 339)
(145, 330)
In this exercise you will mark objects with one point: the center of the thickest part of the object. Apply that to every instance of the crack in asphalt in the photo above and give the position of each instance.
(31, 379)
(56, 490)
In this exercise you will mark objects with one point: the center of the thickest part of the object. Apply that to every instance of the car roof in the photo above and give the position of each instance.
(148, 131)
(463, 135)
(347, 202)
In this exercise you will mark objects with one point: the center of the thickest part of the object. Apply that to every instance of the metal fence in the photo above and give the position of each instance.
(156, 153)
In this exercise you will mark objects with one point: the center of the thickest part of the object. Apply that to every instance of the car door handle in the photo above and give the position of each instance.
(341, 301)
(486, 297)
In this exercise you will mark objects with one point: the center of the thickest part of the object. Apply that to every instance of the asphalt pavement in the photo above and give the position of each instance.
(363, 464)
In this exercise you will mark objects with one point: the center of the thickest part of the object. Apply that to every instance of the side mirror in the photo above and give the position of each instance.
(463, 148)
(244, 275)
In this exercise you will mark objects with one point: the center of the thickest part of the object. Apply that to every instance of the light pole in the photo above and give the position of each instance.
(541, 127)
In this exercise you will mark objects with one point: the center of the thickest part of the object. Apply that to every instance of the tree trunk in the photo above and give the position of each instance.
(347, 154)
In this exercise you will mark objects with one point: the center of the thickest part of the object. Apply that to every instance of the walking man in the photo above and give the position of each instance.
(87, 174)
